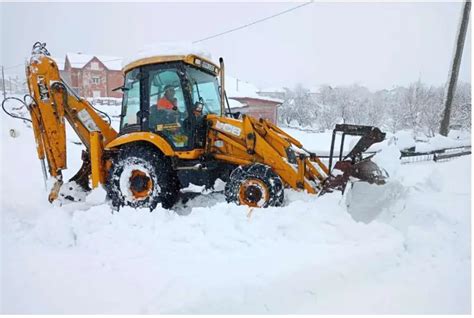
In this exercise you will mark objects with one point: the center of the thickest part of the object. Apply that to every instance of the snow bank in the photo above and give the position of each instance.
(168, 48)
(440, 142)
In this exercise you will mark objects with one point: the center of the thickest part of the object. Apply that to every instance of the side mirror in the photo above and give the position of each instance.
(122, 88)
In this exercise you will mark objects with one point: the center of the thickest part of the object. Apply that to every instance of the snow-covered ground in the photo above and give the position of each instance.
(411, 254)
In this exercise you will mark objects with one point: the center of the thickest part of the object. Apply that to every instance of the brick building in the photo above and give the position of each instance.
(92, 76)
(243, 98)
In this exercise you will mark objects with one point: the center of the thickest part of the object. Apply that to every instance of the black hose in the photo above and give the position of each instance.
(65, 92)
(103, 113)
(13, 115)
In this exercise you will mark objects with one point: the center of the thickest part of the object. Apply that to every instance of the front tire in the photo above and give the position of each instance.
(142, 177)
(255, 185)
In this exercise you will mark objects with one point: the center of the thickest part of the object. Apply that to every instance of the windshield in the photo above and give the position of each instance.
(205, 90)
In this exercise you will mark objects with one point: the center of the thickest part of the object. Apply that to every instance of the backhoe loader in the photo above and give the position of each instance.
(175, 129)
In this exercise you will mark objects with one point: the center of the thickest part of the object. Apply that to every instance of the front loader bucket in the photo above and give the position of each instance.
(345, 171)
(368, 171)
(354, 166)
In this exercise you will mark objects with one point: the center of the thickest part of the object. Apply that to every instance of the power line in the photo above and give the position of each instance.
(215, 35)
(253, 23)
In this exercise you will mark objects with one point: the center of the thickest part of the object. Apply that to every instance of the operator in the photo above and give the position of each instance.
(168, 101)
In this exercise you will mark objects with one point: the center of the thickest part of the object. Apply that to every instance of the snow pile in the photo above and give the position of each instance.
(412, 255)
(440, 142)
(168, 48)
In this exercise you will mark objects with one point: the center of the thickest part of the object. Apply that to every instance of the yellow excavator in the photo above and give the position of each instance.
(175, 129)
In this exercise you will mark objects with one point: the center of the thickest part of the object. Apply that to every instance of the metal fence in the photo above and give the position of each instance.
(411, 156)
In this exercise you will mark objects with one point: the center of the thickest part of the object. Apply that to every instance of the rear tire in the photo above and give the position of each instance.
(255, 185)
(142, 177)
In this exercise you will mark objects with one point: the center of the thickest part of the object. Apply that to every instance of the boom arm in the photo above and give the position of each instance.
(251, 140)
(53, 101)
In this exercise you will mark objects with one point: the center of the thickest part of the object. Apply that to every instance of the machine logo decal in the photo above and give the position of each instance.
(228, 128)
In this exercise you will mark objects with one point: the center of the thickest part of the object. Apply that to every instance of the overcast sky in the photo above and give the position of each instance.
(378, 45)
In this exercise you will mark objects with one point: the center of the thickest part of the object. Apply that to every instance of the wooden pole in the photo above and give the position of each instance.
(3, 82)
(453, 75)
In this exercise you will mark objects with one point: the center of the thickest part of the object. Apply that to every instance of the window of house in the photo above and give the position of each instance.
(94, 66)
(95, 80)
(96, 94)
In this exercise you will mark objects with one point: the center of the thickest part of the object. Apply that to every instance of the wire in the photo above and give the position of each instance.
(253, 23)
(117, 59)
(13, 115)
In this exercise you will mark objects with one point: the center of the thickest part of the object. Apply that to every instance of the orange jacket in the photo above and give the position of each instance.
(164, 103)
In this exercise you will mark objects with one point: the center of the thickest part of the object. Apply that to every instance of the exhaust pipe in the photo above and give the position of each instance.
(222, 79)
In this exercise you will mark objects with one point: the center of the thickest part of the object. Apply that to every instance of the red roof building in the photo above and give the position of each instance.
(92, 76)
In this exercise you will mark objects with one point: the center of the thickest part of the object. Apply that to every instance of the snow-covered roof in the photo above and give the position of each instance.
(235, 87)
(79, 60)
(168, 48)
(233, 103)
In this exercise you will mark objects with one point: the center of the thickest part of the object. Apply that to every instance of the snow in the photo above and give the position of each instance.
(441, 142)
(408, 254)
(168, 48)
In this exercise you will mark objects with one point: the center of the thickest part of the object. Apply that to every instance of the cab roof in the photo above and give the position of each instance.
(190, 59)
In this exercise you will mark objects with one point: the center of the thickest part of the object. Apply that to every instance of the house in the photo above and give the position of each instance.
(243, 97)
(92, 76)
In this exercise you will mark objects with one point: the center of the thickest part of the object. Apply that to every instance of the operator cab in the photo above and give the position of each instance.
(171, 96)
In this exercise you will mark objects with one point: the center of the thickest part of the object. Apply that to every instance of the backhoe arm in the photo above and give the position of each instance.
(53, 101)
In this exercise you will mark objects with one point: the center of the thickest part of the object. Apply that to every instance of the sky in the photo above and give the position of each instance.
(378, 45)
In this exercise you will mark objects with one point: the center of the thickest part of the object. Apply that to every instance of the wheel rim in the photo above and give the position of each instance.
(140, 184)
(254, 193)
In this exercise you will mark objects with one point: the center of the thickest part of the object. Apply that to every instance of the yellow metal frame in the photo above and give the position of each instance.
(96, 149)
(249, 140)
(188, 59)
(159, 142)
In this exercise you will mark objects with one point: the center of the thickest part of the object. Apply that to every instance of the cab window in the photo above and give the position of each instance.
(131, 100)
(167, 106)
(205, 90)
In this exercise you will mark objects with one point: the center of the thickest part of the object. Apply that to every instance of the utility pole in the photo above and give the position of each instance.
(453, 75)
(3, 82)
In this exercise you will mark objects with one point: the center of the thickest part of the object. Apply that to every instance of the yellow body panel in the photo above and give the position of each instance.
(158, 141)
(249, 140)
(152, 138)
(97, 171)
